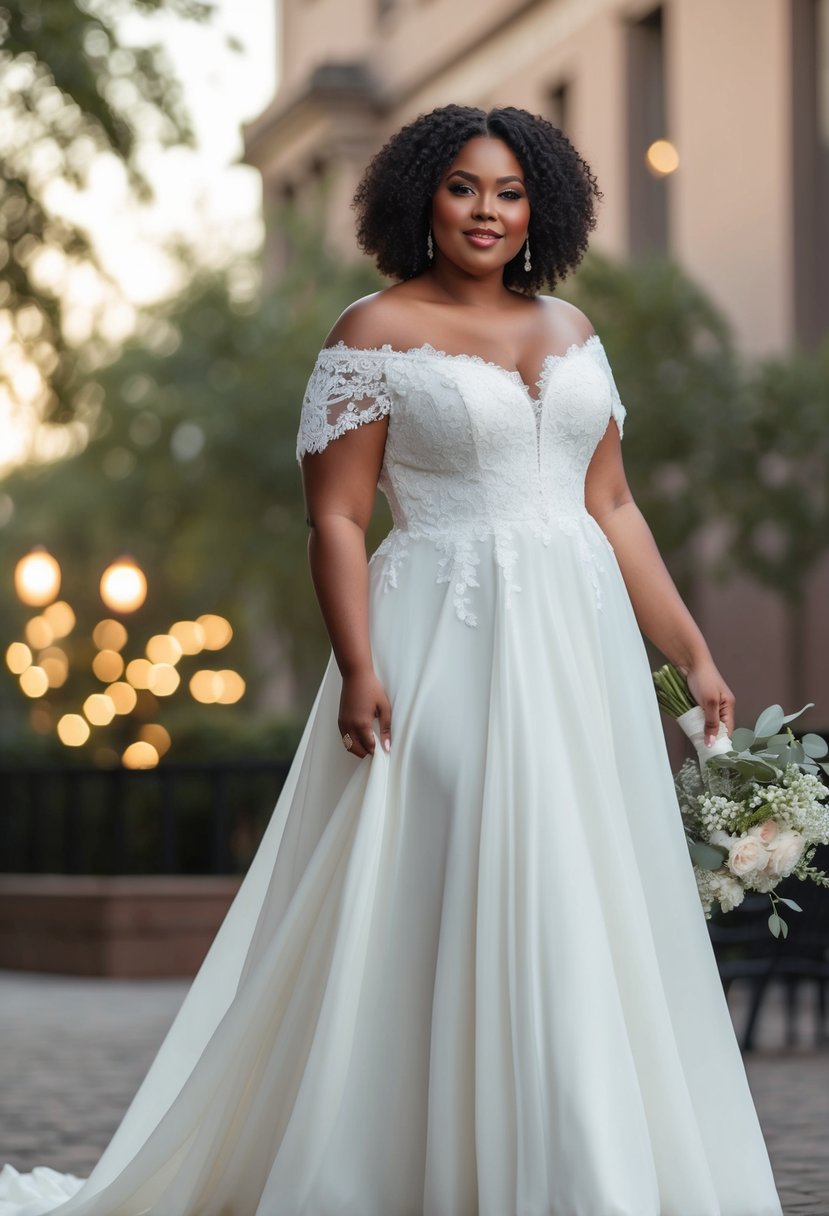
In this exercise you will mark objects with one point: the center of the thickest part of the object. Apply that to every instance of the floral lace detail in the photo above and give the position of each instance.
(471, 454)
(345, 390)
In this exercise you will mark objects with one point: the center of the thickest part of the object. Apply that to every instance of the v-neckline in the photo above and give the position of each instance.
(426, 348)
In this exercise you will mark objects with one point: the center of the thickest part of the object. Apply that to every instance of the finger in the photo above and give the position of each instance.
(366, 738)
(727, 712)
(712, 719)
(351, 731)
(384, 716)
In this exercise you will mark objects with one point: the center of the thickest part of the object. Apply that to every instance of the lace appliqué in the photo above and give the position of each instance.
(346, 389)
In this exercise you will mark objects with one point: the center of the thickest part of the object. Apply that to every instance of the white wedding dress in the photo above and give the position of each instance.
(471, 977)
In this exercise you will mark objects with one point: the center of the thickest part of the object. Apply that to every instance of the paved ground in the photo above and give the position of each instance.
(72, 1053)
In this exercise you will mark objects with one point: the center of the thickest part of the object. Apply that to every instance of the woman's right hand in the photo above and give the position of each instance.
(363, 699)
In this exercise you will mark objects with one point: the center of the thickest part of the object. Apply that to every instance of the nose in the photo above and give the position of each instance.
(484, 208)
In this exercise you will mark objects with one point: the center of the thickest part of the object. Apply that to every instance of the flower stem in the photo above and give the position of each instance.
(672, 691)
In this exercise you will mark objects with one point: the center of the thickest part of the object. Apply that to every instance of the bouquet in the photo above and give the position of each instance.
(754, 806)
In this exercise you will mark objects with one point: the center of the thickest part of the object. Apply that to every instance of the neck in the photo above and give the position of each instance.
(474, 291)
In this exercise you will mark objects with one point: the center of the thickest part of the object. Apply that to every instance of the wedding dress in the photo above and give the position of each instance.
(471, 977)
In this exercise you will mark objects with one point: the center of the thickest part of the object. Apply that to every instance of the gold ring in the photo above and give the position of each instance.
(348, 742)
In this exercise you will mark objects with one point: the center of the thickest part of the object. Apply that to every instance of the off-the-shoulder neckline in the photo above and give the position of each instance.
(426, 348)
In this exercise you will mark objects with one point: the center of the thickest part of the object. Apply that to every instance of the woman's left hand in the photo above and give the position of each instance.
(713, 695)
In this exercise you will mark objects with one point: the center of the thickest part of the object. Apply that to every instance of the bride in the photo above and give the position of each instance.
(467, 973)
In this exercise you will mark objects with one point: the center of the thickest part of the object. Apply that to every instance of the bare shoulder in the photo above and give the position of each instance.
(372, 320)
(562, 322)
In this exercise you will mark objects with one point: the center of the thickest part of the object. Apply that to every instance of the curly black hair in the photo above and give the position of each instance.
(394, 196)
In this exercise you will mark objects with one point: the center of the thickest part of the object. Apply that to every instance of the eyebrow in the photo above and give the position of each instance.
(473, 177)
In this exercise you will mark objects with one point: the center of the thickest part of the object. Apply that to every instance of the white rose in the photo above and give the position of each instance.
(786, 852)
(746, 856)
(765, 832)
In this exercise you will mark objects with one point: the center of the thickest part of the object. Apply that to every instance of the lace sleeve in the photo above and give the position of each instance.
(346, 388)
(617, 410)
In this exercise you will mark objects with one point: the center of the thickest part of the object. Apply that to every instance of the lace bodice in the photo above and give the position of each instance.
(471, 452)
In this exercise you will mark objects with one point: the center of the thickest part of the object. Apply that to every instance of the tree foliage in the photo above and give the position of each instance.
(70, 91)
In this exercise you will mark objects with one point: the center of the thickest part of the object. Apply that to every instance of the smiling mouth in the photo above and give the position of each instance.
(482, 237)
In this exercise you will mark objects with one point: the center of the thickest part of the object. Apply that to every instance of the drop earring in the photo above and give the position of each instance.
(430, 246)
(527, 260)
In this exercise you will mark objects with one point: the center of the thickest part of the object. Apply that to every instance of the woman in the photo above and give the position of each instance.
(468, 972)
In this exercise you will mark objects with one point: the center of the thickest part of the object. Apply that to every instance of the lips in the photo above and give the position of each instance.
(482, 238)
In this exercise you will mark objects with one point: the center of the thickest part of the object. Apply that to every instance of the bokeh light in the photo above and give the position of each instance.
(34, 681)
(156, 735)
(109, 635)
(18, 658)
(60, 617)
(39, 633)
(73, 730)
(217, 630)
(37, 578)
(41, 719)
(123, 586)
(123, 696)
(662, 158)
(189, 635)
(233, 687)
(138, 673)
(55, 663)
(107, 665)
(206, 687)
(99, 709)
(163, 679)
(140, 755)
(164, 648)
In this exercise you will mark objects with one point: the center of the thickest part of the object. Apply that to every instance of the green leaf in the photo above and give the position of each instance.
(791, 717)
(784, 927)
(742, 739)
(775, 923)
(814, 746)
(790, 903)
(770, 721)
(706, 856)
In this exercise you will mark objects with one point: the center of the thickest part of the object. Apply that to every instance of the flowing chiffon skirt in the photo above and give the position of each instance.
(471, 977)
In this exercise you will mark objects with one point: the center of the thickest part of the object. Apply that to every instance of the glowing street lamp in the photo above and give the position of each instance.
(37, 578)
(123, 586)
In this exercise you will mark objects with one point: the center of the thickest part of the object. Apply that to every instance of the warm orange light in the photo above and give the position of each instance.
(140, 755)
(164, 648)
(233, 687)
(157, 736)
(107, 665)
(73, 730)
(217, 631)
(54, 662)
(138, 672)
(123, 586)
(206, 687)
(123, 697)
(34, 681)
(662, 158)
(163, 679)
(39, 633)
(37, 578)
(99, 709)
(61, 618)
(18, 658)
(109, 635)
(189, 635)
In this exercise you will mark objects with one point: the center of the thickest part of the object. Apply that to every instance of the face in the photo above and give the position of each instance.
(480, 210)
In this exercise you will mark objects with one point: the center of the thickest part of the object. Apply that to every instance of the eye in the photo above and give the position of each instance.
(459, 188)
(511, 194)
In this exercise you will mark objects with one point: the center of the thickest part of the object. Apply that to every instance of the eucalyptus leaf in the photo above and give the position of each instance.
(790, 903)
(742, 739)
(706, 856)
(774, 924)
(784, 927)
(791, 717)
(770, 721)
(814, 746)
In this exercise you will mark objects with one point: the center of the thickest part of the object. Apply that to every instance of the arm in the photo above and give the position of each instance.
(339, 484)
(659, 609)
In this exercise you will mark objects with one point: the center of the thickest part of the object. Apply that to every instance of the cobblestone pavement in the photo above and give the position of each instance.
(72, 1052)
